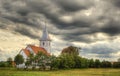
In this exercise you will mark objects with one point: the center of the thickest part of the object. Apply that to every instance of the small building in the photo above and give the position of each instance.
(44, 46)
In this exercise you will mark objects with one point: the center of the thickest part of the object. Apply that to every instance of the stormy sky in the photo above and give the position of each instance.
(93, 25)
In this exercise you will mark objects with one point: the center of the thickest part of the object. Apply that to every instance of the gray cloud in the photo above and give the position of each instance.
(77, 20)
(20, 12)
(115, 2)
(73, 6)
(102, 50)
(112, 28)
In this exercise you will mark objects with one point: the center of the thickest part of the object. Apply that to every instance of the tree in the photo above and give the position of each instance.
(19, 59)
(97, 63)
(30, 59)
(71, 50)
(78, 61)
(84, 63)
(42, 60)
(9, 61)
(116, 65)
(91, 63)
(69, 57)
(66, 61)
(55, 62)
(106, 64)
(3, 64)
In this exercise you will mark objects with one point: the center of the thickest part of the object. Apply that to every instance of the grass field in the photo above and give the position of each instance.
(73, 72)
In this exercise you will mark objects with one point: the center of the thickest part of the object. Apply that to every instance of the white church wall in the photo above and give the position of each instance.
(46, 45)
(24, 55)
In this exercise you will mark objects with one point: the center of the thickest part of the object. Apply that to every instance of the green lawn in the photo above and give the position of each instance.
(73, 72)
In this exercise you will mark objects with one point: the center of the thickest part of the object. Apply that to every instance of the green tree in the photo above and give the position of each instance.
(91, 63)
(106, 64)
(97, 63)
(9, 61)
(66, 61)
(43, 60)
(19, 59)
(116, 65)
(71, 50)
(55, 62)
(84, 63)
(3, 64)
(78, 61)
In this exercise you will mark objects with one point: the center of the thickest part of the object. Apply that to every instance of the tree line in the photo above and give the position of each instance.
(8, 63)
(68, 59)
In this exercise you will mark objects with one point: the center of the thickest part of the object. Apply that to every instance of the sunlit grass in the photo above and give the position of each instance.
(73, 72)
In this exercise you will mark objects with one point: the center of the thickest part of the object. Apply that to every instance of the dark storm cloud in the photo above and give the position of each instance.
(73, 6)
(116, 2)
(112, 28)
(26, 32)
(28, 11)
(82, 36)
(79, 39)
(42, 7)
(71, 20)
(75, 24)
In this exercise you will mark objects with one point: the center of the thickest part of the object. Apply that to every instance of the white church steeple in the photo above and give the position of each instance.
(45, 40)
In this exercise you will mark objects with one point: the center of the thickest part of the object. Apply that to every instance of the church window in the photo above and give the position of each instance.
(43, 43)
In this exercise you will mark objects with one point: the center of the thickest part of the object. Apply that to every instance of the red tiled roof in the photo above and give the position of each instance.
(27, 52)
(37, 49)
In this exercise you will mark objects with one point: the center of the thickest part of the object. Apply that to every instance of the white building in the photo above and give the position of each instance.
(45, 47)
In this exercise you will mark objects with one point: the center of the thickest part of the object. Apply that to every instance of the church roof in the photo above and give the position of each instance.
(45, 35)
(27, 52)
(37, 49)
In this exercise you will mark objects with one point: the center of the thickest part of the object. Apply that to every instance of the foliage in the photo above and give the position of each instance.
(91, 63)
(19, 59)
(66, 61)
(9, 61)
(71, 50)
(55, 62)
(4, 64)
(41, 60)
(97, 63)
(116, 65)
(84, 63)
(78, 61)
(106, 64)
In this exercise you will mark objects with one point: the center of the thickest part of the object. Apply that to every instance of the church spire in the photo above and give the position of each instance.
(45, 40)
(45, 35)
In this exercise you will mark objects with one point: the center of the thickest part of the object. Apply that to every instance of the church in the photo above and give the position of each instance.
(44, 46)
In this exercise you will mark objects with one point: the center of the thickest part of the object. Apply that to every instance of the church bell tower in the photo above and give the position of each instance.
(45, 40)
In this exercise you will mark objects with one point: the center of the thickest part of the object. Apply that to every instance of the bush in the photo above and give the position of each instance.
(66, 61)
(4, 64)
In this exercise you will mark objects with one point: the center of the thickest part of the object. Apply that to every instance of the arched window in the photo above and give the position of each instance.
(43, 43)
